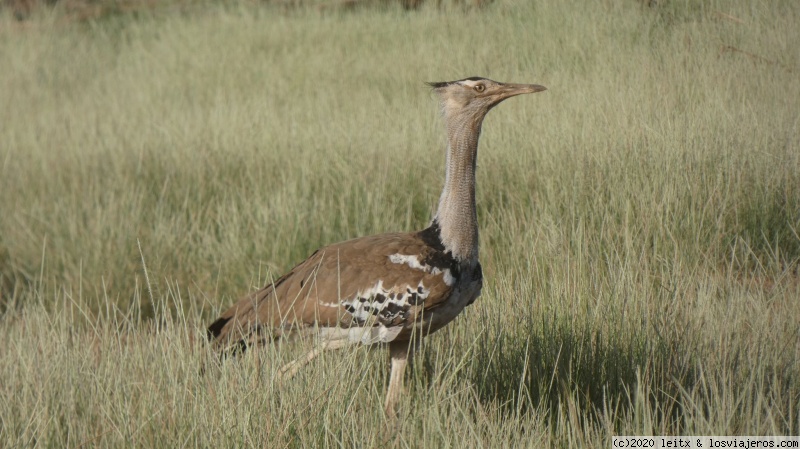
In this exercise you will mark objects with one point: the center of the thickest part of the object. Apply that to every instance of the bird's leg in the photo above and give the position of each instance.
(289, 370)
(401, 353)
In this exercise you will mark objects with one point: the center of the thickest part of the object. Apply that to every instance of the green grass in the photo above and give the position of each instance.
(639, 220)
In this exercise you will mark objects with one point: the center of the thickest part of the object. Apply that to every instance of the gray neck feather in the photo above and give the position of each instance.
(456, 214)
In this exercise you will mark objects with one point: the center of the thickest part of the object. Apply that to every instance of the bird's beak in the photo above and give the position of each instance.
(509, 90)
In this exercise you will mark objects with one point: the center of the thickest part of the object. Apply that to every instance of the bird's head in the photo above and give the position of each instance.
(476, 96)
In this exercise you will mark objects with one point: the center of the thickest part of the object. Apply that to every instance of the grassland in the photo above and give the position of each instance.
(639, 220)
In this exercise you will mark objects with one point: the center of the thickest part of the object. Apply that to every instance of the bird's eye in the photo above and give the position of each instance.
(479, 88)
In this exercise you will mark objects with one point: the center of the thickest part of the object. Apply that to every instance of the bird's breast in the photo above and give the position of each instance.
(466, 290)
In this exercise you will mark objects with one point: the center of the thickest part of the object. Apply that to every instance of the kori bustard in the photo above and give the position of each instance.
(390, 288)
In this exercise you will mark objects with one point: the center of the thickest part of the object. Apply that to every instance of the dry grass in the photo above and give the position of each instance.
(639, 220)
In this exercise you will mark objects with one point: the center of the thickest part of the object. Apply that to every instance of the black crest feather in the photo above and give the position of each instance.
(438, 84)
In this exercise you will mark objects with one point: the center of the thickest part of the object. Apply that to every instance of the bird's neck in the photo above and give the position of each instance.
(456, 215)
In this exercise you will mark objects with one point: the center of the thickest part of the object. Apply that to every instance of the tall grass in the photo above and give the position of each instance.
(639, 220)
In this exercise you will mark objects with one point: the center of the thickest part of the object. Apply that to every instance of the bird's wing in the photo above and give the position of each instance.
(368, 289)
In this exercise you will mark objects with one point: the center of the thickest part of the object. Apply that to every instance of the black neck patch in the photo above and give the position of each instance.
(432, 236)
(441, 259)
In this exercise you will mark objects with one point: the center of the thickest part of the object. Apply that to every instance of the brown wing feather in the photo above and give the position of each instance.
(339, 285)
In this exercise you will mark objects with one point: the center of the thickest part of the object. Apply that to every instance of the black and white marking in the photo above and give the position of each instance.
(386, 306)
(413, 262)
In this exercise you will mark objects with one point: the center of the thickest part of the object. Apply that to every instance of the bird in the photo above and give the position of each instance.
(388, 289)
